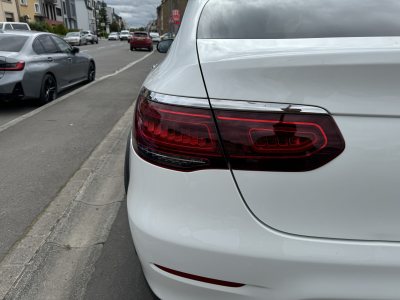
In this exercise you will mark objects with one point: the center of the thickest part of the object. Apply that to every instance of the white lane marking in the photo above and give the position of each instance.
(34, 112)
(100, 48)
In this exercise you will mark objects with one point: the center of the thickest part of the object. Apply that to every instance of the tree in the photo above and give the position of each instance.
(49, 28)
(103, 18)
(60, 29)
(114, 27)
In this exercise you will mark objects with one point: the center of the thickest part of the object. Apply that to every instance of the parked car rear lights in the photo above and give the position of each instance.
(200, 278)
(279, 142)
(176, 137)
(15, 66)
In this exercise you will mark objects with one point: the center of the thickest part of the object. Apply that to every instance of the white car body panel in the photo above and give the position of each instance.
(204, 228)
(342, 75)
(180, 73)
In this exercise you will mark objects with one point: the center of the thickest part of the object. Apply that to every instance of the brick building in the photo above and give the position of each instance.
(164, 13)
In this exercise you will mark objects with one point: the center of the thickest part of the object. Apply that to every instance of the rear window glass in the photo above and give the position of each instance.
(288, 19)
(140, 34)
(85, 32)
(20, 26)
(12, 43)
(124, 32)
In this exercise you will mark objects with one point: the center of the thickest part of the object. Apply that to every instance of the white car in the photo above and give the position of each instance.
(14, 26)
(124, 35)
(265, 153)
(113, 36)
(155, 37)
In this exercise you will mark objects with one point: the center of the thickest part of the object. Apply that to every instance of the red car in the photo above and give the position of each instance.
(141, 39)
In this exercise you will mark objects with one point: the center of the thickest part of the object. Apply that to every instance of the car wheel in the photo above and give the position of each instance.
(86, 43)
(97, 42)
(92, 42)
(91, 73)
(48, 90)
(80, 43)
(150, 48)
(131, 48)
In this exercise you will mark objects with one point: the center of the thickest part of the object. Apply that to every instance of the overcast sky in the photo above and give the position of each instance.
(136, 13)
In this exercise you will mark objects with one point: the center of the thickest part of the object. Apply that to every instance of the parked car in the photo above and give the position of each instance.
(91, 36)
(167, 36)
(14, 25)
(38, 65)
(264, 158)
(124, 35)
(113, 36)
(155, 37)
(76, 38)
(130, 36)
(141, 39)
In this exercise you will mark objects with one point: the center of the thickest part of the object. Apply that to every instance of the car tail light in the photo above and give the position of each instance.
(14, 66)
(176, 137)
(89, 35)
(278, 141)
(147, 39)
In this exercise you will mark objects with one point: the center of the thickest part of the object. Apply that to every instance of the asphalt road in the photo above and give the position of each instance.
(41, 153)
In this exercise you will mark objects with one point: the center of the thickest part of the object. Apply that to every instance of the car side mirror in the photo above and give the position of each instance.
(164, 46)
(75, 50)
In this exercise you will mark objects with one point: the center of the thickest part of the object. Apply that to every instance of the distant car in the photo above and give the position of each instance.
(38, 65)
(155, 37)
(130, 36)
(167, 36)
(91, 36)
(113, 36)
(141, 39)
(76, 38)
(14, 25)
(124, 35)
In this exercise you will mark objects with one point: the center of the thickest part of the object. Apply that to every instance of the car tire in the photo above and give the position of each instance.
(92, 42)
(48, 90)
(91, 72)
(80, 43)
(97, 42)
(86, 43)
(131, 48)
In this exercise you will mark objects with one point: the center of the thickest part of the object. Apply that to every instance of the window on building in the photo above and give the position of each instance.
(73, 10)
(9, 1)
(9, 18)
(37, 8)
(58, 11)
(23, 2)
(65, 9)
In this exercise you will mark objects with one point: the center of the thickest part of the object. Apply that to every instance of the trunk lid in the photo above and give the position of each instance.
(355, 196)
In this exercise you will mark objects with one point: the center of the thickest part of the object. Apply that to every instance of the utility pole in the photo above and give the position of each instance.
(180, 14)
(170, 26)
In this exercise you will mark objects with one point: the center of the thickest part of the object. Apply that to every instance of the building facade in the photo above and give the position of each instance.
(164, 13)
(8, 11)
(70, 15)
(85, 14)
(53, 12)
(30, 11)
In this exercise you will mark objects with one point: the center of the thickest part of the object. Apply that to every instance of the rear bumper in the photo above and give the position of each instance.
(140, 45)
(11, 86)
(197, 223)
(73, 43)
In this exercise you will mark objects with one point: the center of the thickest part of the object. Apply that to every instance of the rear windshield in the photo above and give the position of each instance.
(139, 34)
(20, 26)
(72, 34)
(85, 32)
(124, 32)
(293, 19)
(12, 43)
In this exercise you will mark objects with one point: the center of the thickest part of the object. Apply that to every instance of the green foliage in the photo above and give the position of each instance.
(49, 28)
(137, 29)
(73, 30)
(38, 26)
(114, 27)
(103, 18)
(103, 34)
(60, 29)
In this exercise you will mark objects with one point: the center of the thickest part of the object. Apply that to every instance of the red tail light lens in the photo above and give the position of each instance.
(15, 66)
(176, 137)
(279, 142)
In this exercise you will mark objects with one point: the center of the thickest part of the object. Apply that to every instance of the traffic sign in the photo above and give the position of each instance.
(102, 24)
(176, 14)
(172, 21)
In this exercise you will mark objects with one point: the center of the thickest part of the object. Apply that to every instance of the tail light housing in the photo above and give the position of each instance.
(186, 138)
(279, 141)
(12, 66)
(174, 137)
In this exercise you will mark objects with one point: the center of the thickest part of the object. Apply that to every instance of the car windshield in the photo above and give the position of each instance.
(124, 32)
(72, 34)
(12, 43)
(113, 34)
(140, 34)
(20, 26)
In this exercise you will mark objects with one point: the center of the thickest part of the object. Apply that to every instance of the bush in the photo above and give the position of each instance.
(104, 34)
(38, 26)
(73, 30)
(60, 29)
(49, 28)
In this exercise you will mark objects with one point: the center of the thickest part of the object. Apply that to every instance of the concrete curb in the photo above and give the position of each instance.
(64, 223)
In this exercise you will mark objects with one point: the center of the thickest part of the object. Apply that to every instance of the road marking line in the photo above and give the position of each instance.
(34, 112)
(100, 47)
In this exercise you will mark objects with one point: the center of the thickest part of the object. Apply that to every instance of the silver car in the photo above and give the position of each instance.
(38, 65)
(76, 38)
(90, 36)
(113, 36)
